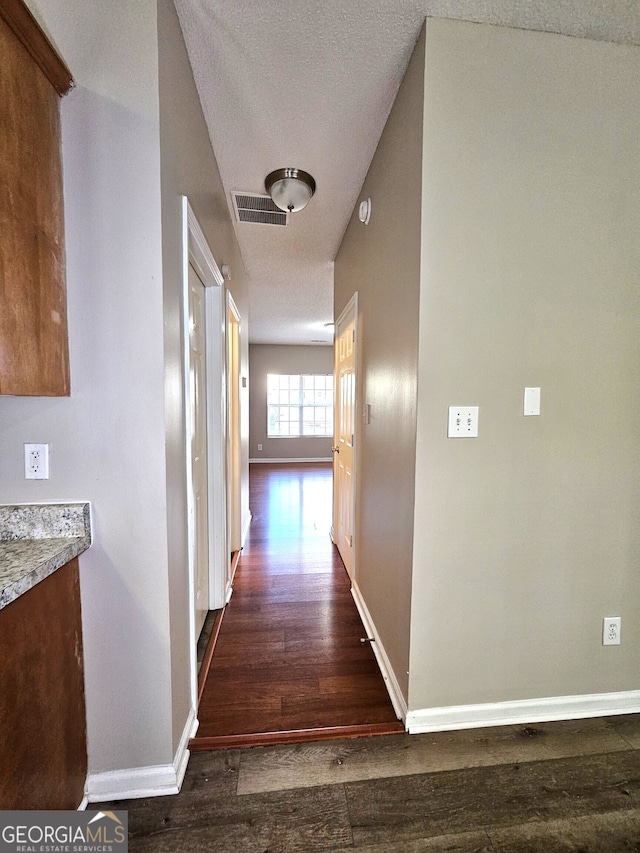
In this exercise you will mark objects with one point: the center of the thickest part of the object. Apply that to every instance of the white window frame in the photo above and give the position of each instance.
(301, 406)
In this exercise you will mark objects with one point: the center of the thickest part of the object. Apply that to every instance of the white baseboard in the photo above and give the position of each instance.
(265, 461)
(393, 688)
(135, 782)
(523, 711)
(181, 758)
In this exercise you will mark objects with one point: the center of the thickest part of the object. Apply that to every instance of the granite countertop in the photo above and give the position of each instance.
(37, 539)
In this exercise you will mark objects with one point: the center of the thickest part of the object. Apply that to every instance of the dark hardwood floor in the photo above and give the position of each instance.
(566, 787)
(562, 787)
(288, 663)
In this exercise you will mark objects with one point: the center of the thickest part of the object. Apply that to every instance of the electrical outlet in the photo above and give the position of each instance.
(611, 631)
(259, 447)
(36, 461)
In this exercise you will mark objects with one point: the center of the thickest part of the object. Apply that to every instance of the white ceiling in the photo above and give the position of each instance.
(309, 84)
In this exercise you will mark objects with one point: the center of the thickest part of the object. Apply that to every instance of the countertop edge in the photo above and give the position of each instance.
(47, 536)
(71, 549)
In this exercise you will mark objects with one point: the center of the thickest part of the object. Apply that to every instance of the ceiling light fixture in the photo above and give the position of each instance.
(290, 189)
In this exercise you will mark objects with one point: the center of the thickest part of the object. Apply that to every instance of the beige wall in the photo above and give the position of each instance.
(186, 156)
(265, 359)
(382, 262)
(526, 537)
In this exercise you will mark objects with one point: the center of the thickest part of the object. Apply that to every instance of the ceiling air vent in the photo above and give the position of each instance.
(259, 209)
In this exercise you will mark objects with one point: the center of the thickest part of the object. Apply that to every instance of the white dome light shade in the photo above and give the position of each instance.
(290, 189)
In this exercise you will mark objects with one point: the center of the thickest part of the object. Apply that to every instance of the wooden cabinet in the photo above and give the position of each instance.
(43, 747)
(34, 352)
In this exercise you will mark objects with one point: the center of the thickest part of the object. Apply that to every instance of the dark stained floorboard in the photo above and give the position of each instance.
(560, 787)
(289, 656)
(460, 801)
(584, 803)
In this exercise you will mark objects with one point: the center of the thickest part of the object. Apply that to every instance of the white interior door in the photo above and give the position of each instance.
(199, 462)
(344, 434)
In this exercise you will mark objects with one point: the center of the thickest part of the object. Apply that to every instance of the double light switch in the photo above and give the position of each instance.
(463, 421)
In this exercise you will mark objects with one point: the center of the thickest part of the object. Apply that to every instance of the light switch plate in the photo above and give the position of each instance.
(463, 422)
(531, 401)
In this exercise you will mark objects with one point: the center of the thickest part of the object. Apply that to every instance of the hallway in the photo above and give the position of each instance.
(288, 663)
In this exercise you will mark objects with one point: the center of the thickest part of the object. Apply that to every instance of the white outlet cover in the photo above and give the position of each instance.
(611, 626)
(463, 422)
(36, 461)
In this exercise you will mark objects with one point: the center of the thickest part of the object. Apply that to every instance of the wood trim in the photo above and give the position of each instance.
(25, 27)
(235, 558)
(211, 645)
(208, 655)
(199, 744)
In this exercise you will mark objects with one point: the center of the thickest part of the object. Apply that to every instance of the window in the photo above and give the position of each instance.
(299, 405)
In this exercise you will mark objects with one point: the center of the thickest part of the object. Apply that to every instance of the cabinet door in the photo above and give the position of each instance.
(43, 746)
(34, 358)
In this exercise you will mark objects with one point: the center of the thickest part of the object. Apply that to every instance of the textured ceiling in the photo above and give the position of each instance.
(309, 84)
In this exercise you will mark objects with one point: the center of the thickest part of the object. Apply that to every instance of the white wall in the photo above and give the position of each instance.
(132, 122)
(264, 359)
(107, 439)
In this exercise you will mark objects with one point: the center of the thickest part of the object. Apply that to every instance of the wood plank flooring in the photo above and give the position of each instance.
(552, 788)
(561, 787)
(289, 664)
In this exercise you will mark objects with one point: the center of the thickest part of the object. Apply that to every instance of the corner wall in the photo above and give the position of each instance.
(526, 537)
(186, 155)
(382, 262)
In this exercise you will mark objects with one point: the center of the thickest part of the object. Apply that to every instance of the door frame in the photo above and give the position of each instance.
(349, 311)
(196, 252)
(233, 376)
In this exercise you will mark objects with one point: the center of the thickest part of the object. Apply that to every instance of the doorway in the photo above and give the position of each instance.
(344, 449)
(204, 365)
(198, 443)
